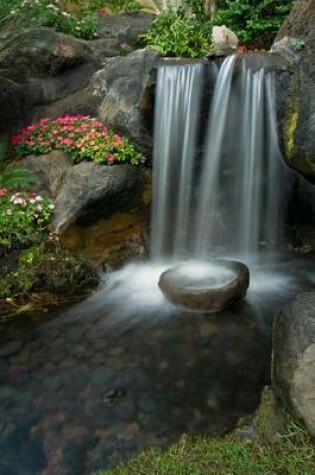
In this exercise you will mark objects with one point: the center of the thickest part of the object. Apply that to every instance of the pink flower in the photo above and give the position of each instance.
(110, 158)
(30, 128)
(17, 139)
(67, 142)
(43, 121)
(3, 191)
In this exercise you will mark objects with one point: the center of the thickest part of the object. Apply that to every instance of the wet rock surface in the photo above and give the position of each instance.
(294, 357)
(218, 284)
(296, 39)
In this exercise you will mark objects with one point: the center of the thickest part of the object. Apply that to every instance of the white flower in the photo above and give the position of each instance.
(51, 206)
(18, 201)
(39, 208)
(39, 198)
(32, 201)
(9, 212)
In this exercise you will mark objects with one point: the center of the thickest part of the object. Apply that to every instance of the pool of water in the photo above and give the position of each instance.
(89, 386)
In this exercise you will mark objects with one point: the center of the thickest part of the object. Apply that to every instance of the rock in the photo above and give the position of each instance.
(297, 38)
(86, 192)
(125, 27)
(10, 348)
(293, 366)
(41, 52)
(224, 39)
(129, 86)
(210, 287)
(105, 48)
(47, 67)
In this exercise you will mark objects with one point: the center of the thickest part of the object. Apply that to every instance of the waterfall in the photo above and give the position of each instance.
(176, 119)
(231, 203)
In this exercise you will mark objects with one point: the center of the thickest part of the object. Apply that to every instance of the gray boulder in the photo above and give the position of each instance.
(128, 87)
(125, 27)
(41, 52)
(86, 192)
(38, 68)
(296, 39)
(293, 367)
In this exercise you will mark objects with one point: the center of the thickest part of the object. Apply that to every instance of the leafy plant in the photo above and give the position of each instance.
(52, 13)
(115, 6)
(83, 137)
(23, 217)
(12, 175)
(254, 21)
(77, 17)
(175, 34)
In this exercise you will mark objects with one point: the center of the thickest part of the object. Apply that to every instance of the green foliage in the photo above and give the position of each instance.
(12, 175)
(41, 269)
(50, 13)
(115, 6)
(77, 17)
(83, 137)
(23, 218)
(291, 456)
(175, 34)
(253, 19)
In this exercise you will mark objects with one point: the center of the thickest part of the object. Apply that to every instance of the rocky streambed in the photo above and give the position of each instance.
(94, 384)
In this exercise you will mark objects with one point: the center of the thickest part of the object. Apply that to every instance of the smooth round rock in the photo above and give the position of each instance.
(205, 286)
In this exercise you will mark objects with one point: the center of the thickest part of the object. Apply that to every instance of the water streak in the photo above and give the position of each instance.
(176, 114)
(236, 208)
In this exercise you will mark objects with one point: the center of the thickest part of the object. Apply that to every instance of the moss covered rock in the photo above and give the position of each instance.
(298, 36)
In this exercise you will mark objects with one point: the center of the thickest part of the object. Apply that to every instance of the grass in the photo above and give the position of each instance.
(292, 455)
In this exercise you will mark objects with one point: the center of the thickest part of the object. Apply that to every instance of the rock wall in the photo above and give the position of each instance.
(296, 39)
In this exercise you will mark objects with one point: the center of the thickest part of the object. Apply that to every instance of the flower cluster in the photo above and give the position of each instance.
(23, 217)
(83, 137)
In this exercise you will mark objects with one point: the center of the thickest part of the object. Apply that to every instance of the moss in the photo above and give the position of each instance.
(48, 270)
(293, 455)
(291, 119)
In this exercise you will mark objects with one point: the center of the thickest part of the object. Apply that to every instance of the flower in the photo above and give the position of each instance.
(51, 206)
(3, 191)
(9, 212)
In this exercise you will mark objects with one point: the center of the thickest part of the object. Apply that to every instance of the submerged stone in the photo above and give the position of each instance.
(206, 286)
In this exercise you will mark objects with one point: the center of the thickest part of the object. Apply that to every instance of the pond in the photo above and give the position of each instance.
(91, 385)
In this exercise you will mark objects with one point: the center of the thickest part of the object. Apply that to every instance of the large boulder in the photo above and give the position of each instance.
(86, 192)
(97, 207)
(38, 68)
(41, 52)
(296, 38)
(128, 87)
(293, 367)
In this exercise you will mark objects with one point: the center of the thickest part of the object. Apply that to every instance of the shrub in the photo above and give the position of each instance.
(83, 137)
(12, 175)
(52, 13)
(254, 21)
(175, 34)
(42, 270)
(23, 217)
(77, 17)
